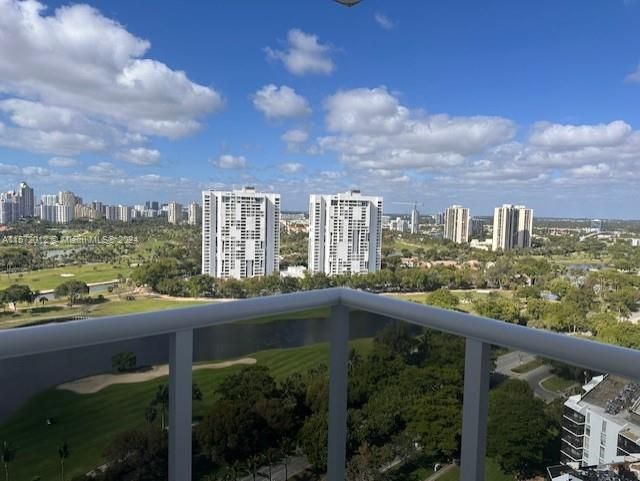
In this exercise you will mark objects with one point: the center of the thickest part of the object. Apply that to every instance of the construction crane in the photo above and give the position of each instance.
(415, 203)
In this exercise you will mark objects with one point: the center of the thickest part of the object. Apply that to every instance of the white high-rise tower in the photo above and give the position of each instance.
(240, 233)
(345, 233)
(512, 227)
(456, 224)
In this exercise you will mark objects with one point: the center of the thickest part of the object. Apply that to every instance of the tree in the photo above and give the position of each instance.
(443, 298)
(518, 429)
(63, 454)
(161, 399)
(497, 307)
(7, 455)
(123, 361)
(313, 440)
(17, 293)
(72, 290)
(137, 455)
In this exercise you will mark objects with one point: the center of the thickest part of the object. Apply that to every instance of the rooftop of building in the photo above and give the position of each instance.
(627, 470)
(614, 398)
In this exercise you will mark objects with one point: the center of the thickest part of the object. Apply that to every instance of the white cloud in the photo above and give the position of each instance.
(35, 171)
(62, 162)
(141, 156)
(73, 71)
(105, 169)
(373, 130)
(291, 167)
(304, 54)
(280, 102)
(384, 21)
(633, 77)
(230, 162)
(295, 138)
(557, 136)
(591, 170)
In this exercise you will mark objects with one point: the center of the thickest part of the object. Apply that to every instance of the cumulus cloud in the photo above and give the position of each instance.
(384, 21)
(633, 77)
(304, 54)
(556, 136)
(65, 74)
(291, 167)
(373, 130)
(295, 138)
(105, 169)
(62, 162)
(141, 156)
(230, 162)
(280, 102)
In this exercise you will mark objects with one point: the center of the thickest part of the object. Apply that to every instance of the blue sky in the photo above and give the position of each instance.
(478, 103)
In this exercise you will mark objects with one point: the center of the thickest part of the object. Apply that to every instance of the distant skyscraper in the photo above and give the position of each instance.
(9, 208)
(124, 213)
(67, 198)
(49, 199)
(456, 224)
(512, 227)
(111, 212)
(345, 233)
(415, 220)
(64, 213)
(194, 214)
(240, 233)
(174, 213)
(27, 200)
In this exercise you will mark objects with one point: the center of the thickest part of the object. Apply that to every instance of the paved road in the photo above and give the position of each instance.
(296, 466)
(513, 359)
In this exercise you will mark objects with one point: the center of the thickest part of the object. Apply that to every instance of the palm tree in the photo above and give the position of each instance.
(7, 454)
(63, 453)
(162, 399)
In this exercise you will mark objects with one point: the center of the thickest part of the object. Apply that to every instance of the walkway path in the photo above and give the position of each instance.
(94, 384)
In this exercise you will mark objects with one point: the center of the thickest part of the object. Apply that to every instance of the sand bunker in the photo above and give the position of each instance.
(94, 384)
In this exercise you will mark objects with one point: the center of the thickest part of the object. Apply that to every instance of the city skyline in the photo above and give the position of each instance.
(317, 113)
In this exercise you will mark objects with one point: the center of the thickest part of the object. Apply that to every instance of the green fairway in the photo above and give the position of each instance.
(492, 473)
(88, 422)
(528, 366)
(112, 307)
(558, 384)
(47, 279)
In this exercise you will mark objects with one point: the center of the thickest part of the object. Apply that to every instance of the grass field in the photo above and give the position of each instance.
(492, 473)
(112, 307)
(557, 384)
(89, 422)
(528, 366)
(46, 279)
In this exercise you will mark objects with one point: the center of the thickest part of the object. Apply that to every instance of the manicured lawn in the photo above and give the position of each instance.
(557, 384)
(89, 422)
(112, 307)
(528, 366)
(492, 473)
(319, 313)
(46, 279)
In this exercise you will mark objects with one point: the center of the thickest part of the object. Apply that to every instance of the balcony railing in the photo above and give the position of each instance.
(480, 334)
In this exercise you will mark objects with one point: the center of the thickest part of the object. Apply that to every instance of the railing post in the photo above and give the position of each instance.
(475, 410)
(180, 395)
(338, 379)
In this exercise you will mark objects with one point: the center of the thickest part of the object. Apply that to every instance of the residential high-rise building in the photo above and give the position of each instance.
(124, 213)
(174, 213)
(9, 208)
(67, 198)
(399, 225)
(111, 212)
(512, 227)
(27, 200)
(194, 214)
(415, 220)
(240, 233)
(601, 424)
(456, 224)
(64, 213)
(49, 199)
(345, 233)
